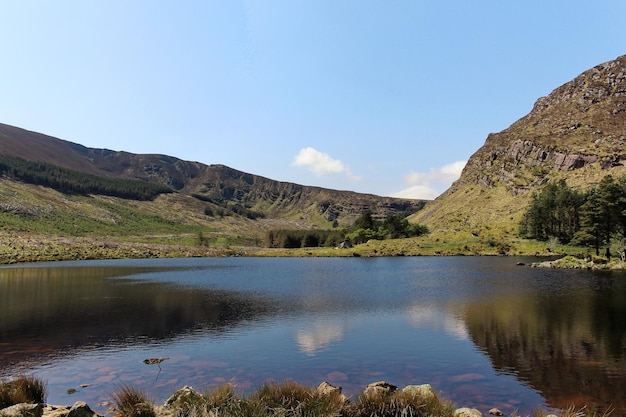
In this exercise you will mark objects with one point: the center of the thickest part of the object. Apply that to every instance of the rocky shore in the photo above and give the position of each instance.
(590, 263)
(378, 398)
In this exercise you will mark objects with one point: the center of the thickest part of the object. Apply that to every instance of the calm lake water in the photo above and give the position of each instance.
(482, 331)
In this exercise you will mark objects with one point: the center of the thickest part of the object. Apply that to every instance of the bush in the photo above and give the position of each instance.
(24, 389)
(130, 402)
(398, 403)
(293, 399)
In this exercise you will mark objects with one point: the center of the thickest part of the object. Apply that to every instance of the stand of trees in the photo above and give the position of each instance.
(392, 227)
(291, 239)
(74, 182)
(590, 219)
(364, 228)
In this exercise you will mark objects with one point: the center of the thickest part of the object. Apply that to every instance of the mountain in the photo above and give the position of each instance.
(576, 133)
(218, 187)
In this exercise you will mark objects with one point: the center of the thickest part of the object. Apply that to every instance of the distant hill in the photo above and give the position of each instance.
(576, 133)
(216, 186)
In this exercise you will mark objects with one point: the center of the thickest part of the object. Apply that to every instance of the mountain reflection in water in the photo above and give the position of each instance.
(484, 332)
(570, 344)
(56, 310)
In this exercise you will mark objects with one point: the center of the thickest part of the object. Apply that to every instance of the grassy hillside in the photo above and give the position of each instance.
(223, 187)
(39, 223)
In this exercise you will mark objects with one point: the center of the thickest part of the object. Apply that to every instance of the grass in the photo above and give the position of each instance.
(23, 389)
(290, 399)
(296, 400)
(282, 399)
(130, 402)
(399, 403)
(40, 224)
(437, 244)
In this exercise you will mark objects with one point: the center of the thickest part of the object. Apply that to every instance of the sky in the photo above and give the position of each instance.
(387, 97)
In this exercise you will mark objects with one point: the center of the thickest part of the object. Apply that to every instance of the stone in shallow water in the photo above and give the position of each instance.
(337, 376)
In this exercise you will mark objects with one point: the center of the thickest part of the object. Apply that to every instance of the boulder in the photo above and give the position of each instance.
(424, 391)
(79, 409)
(379, 388)
(326, 389)
(23, 410)
(185, 395)
(496, 412)
(56, 410)
(467, 412)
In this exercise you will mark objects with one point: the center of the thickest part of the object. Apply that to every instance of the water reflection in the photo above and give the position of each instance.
(448, 320)
(482, 331)
(569, 343)
(55, 311)
(319, 337)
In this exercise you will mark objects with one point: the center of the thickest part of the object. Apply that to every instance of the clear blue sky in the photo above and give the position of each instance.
(385, 97)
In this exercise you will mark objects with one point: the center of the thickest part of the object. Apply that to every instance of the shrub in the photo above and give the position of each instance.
(24, 389)
(130, 402)
(223, 401)
(399, 403)
(293, 399)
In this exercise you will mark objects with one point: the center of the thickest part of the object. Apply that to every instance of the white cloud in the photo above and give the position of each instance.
(419, 192)
(321, 163)
(428, 185)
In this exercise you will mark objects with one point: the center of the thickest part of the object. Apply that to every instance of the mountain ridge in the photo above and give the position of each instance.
(214, 184)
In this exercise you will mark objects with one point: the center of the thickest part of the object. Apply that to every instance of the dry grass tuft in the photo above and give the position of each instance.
(24, 389)
(400, 404)
(130, 402)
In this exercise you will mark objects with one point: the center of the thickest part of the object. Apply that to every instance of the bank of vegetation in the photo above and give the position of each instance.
(595, 219)
(364, 229)
(74, 182)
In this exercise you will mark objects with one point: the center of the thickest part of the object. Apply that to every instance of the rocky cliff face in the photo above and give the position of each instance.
(582, 122)
(577, 132)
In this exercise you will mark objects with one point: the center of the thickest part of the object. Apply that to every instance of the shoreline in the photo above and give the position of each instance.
(269, 400)
(15, 250)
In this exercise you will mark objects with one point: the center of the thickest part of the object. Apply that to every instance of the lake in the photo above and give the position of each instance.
(483, 331)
